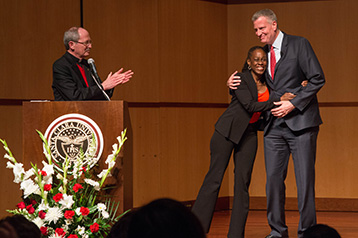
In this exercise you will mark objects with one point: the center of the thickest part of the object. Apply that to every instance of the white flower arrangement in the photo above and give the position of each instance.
(64, 202)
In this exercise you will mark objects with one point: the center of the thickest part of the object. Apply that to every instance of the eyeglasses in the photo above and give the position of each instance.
(86, 43)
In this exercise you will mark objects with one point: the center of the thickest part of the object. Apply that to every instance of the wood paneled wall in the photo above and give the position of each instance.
(181, 52)
(11, 131)
(178, 51)
(30, 41)
(31, 35)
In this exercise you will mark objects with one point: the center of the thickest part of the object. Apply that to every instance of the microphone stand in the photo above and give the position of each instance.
(100, 87)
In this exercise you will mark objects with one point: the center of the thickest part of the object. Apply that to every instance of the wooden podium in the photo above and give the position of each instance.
(112, 117)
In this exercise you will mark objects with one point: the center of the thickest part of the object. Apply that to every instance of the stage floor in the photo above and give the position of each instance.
(346, 223)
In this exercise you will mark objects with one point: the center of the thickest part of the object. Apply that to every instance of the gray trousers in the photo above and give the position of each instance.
(244, 157)
(279, 143)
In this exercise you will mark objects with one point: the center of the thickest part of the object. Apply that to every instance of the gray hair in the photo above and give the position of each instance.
(71, 35)
(268, 13)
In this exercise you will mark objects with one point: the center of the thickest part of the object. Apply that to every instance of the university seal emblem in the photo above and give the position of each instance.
(69, 133)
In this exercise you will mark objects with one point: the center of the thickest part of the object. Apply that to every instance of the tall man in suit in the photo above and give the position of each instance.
(293, 126)
(72, 78)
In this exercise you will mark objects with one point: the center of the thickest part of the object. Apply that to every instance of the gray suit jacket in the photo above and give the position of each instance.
(298, 62)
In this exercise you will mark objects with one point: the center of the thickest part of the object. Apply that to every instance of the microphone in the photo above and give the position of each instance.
(90, 61)
(96, 78)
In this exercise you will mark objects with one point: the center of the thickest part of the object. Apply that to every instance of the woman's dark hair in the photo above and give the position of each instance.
(249, 54)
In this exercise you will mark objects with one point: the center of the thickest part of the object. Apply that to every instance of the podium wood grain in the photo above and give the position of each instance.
(111, 117)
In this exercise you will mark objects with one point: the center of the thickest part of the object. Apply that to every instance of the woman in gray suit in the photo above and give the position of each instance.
(236, 130)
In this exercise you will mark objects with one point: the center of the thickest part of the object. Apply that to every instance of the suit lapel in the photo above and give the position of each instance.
(283, 51)
(267, 74)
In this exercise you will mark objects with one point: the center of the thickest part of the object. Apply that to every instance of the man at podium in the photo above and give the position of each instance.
(75, 78)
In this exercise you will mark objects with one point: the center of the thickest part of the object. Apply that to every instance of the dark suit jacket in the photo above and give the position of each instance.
(68, 83)
(234, 121)
(298, 62)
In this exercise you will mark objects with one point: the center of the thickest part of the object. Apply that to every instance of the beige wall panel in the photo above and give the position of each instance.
(325, 24)
(336, 174)
(172, 156)
(30, 41)
(193, 49)
(171, 152)
(11, 131)
(125, 34)
(258, 179)
(146, 155)
(176, 48)
(185, 150)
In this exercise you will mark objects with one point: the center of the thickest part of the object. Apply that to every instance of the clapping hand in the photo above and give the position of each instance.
(114, 79)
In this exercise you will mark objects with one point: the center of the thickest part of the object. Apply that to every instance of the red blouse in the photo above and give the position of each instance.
(262, 97)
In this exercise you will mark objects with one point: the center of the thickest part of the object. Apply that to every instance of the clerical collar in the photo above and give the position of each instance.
(77, 60)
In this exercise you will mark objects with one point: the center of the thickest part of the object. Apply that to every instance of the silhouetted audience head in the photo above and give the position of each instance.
(321, 231)
(120, 228)
(165, 218)
(18, 226)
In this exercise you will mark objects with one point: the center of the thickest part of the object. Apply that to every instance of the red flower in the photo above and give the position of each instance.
(69, 214)
(21, 205)
(57, 197)
(43, 173)
(77, 187)
(84, 211)
(43, 230)
(60, 231)
(72, 236)
(47, 187)
(84, 169)
(30, 209)
(42, 214)
(33, 202)
(94, 228)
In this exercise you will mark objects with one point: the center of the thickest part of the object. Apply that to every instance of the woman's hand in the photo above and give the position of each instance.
(304, 83)
(287, 97)
(290, 96)
(233, 81)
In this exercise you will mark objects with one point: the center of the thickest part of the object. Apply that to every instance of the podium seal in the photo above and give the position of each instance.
(70, 133)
